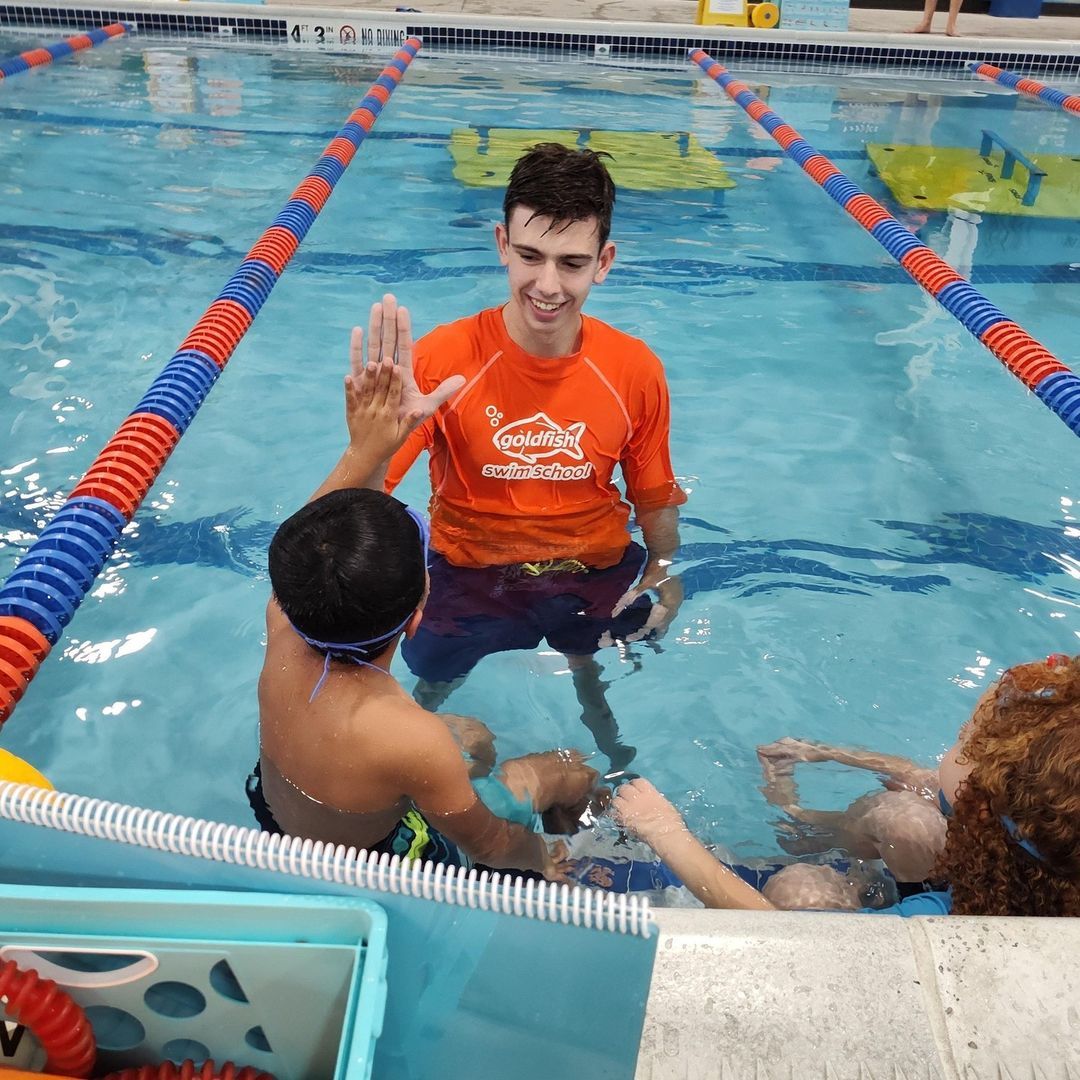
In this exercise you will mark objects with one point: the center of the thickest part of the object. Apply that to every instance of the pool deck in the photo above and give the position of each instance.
(881, 23)
(741, 995)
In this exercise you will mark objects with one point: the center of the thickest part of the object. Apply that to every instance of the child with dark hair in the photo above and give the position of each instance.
(346, 755)
(529, 531)
(1008, 795)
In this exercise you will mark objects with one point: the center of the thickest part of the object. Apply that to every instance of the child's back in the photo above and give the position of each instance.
(332, 767)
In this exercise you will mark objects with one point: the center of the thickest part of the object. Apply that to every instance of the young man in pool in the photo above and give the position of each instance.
(529, 532)
(346, 755)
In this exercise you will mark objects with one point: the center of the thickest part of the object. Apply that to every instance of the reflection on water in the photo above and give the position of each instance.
(880, 517)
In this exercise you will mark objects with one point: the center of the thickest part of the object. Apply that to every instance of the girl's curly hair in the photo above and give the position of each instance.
(1024, 748)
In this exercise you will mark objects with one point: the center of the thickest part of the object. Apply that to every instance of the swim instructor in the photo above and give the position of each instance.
(530, 534)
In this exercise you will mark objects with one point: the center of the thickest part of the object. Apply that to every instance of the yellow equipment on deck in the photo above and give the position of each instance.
(763, 15)
(981, 181)
(640, 160)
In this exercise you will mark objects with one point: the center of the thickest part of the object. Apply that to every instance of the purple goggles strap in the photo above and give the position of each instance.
(345, 649)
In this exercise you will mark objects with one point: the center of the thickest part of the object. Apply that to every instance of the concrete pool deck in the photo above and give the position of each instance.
(975, 30)
(741, 995)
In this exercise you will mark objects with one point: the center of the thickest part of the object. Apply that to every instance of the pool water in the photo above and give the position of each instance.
(880, 519)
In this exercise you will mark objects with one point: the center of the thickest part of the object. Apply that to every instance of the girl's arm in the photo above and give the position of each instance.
(643, 811)
(897, 773)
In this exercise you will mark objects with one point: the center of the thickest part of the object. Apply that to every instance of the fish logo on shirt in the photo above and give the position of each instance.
(537, 437)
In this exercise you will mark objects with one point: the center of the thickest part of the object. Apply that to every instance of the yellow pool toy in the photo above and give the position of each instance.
(16, 771)
(963, 178)
(640, 160)
(764, 15)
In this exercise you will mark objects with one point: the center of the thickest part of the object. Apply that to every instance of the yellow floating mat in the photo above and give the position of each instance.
(640, 160)
(959, 178)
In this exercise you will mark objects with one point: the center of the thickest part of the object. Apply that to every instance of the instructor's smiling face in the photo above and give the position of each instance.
(551, 267)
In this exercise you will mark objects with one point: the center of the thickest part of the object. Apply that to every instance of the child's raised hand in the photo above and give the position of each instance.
(640, 809)
(373, 411)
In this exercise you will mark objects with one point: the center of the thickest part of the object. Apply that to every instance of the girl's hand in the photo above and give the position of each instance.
(640, 809)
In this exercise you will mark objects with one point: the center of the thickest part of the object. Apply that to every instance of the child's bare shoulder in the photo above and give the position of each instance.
(404, 720)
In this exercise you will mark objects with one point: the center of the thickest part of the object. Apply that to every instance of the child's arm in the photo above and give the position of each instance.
(896, 773)
(382, 402)
(643, 811)
(436, 779)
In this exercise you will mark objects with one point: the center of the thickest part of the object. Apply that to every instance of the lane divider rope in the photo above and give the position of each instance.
(300, 856)
(52, 579)
(24, 61)
(1030, 361)
(1057, 98)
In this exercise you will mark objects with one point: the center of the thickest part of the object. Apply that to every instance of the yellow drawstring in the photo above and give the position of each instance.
(550, 566)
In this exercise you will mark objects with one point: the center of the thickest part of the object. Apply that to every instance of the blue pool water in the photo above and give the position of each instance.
(881, 518)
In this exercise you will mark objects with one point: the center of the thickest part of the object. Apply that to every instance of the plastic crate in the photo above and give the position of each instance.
(293, 985)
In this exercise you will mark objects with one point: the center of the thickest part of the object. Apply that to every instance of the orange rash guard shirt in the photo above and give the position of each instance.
(522, 457)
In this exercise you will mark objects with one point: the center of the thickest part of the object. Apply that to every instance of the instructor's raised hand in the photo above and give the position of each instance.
(390, 338)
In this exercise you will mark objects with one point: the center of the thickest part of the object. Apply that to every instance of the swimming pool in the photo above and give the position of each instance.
(880, 517)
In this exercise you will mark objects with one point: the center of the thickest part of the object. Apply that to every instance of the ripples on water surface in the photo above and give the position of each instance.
(881, 517)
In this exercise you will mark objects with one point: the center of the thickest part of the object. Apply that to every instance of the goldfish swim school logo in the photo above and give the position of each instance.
(530, 441)
(539, 437)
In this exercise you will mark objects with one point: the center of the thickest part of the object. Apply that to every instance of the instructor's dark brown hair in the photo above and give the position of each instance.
(565, 185)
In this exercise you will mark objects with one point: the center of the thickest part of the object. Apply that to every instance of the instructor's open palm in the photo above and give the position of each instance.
(390, 338)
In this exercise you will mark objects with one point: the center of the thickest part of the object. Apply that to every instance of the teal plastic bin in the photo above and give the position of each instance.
(292, 985)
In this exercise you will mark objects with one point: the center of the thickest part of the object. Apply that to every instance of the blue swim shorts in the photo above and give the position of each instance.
(472, 613)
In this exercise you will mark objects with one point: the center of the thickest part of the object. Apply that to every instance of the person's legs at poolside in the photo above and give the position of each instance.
(954, 11)
(929, 7)
(927, 19)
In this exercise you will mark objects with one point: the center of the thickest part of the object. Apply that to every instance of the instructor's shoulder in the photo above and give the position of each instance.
(630, 352)
(452, 342)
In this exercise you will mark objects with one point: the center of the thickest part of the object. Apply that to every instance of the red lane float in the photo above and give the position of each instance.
(1058, 98)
